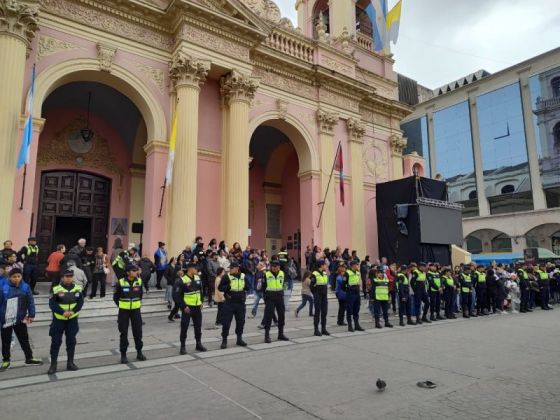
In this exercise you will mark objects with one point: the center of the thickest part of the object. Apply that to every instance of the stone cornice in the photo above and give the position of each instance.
(156, 146)
(19, 19)
(187, 70)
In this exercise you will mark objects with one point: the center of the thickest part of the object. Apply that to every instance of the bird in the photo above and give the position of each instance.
(381, 385)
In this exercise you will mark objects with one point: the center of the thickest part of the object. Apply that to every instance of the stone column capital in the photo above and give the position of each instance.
(185, 70)
(398, 143)
(237, 86)
(356, 130)
(156, 146)
(327, 121)
(19, 19)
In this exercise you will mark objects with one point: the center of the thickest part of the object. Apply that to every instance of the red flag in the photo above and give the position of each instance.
(339, 166)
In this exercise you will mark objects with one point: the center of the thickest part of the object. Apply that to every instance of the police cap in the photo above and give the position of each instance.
(68, 273)
(130, 267)
(275, 263)
(234, 264)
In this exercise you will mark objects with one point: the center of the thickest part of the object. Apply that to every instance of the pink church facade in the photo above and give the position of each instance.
(261, 109)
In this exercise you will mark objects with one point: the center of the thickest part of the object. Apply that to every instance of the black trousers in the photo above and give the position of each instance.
(404, 307)
(159, 276)
(134, 318)
(466, 302)
(393, 295)
(321, 304)
(341, 311)
(89, 277)
(57, 330)
(274, 301)
(525, 295)
(481, 303)
(20, 329)
(98, 279)
(449, 297)
(545, 291)
(421, 296)
(352, 307)
(381, 307)
(196, 315)
(219, 313)
(30, 275)
(231, 309)
(492, 299)
(435, 303)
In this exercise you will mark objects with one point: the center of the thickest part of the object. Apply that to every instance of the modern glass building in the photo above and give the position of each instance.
(495, 140)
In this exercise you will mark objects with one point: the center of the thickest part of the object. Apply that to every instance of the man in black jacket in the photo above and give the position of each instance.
(29, 255)
(234, 287)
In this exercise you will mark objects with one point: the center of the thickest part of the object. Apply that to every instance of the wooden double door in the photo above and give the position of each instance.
(72, 205)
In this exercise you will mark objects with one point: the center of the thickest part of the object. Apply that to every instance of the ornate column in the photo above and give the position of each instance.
(18, 23)
(398, 143)
(187, 74)
(238, 91)
(356, 131)
(327, 122)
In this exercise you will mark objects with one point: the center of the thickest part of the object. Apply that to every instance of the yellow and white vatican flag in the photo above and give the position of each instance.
(393, 23)
(171, 157)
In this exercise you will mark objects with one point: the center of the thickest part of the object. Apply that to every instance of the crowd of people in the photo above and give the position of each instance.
(217, 274)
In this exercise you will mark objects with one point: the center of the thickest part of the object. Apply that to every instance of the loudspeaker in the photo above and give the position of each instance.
(138, 228)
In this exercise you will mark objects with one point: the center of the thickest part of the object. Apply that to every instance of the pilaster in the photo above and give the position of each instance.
(398, 143)
(356, 131)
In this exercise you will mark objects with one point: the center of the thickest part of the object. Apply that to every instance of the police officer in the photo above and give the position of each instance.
(479, 282)
(351, 285)
(380, 294)
(234, 287)
(273, 289)
(65, 303)
(448, 293)
(524, 286)
(543, 281)
(434, 284)
(466, 292)
(403, 293)
(128, 297)
(418, 283)
(29, 255)
(187, 293)
(319, 287)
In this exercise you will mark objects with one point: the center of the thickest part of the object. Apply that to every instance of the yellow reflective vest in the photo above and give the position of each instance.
(274, 284)
(131, 297)
(66, 300)
(193, 298)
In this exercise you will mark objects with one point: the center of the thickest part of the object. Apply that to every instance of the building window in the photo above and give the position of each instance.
(508, 189)
(501, 243)
(555, 85)
(473, 195)
(321, 9)
(556, 134)
(474, 245)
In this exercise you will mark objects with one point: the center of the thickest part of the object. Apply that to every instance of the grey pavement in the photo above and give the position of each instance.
(501, 366)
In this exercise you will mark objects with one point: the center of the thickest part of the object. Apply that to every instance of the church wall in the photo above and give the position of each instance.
(290, 201)
(209, 116)
(257, 209)
(208, 196)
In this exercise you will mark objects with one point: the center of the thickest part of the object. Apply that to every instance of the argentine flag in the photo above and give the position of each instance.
(377, 13)
(23, 158)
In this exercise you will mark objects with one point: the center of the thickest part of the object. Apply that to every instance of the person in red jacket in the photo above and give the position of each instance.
(391, 273)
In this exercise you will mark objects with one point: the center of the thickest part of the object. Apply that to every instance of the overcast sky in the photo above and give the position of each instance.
(443, 40)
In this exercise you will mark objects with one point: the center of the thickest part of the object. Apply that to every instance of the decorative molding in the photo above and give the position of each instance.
(398, 143)
(105, 55)
(265, 9)
(48, 45)
(237, 86)
(340, 101)
(19, 19)
(327, 121)
(282, 107)
(376, 162)
(187, 70)
(156, 146)
(356, 130)
(209, 155)
(213, 42)
(335, 65)
(155, 75)
(285, 83)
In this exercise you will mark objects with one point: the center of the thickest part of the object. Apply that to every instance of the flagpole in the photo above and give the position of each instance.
(329, 183)
(23, 186)
(163, 188)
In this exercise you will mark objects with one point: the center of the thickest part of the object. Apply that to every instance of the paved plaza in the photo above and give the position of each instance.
(502, 366)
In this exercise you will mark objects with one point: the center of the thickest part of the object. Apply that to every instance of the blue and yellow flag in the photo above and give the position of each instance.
(377, 13)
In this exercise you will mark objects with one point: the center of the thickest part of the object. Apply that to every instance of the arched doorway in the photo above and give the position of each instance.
(487, 240)
(546, 236)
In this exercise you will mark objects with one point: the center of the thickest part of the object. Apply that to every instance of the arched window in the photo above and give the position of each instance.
(321, 8)
(508, 189)
(418, 169)
(501, 243)
(473, 195)
(556, 134)
(555, 85)
(474, 245)
(363, 23)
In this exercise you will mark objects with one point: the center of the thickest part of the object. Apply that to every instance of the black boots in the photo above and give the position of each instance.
(377, 323)
(350, 327)
(325, 332)
(401, 322)
(183, 350)
(52, 368)
(388, 324)
(410, 321)
(357, 325)
(240, 341)
(124, 359)
(317, 332)
(140, 356)
(425, 319)
(70, 363)
(267, 337)
(199, 346)
(224, 343)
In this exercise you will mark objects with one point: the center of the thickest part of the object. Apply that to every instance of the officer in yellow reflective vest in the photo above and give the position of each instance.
(128, 297)
(449, 289)
(418, 283)
(187, 293)
(543, 281)
(65, 303)
(351, 285)
(466, 291)
(319, 288)
(380, 294)
(479, 282)
(435, 291)
(273, 289)
(234, 287)
(29, 255)
(403, 290)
